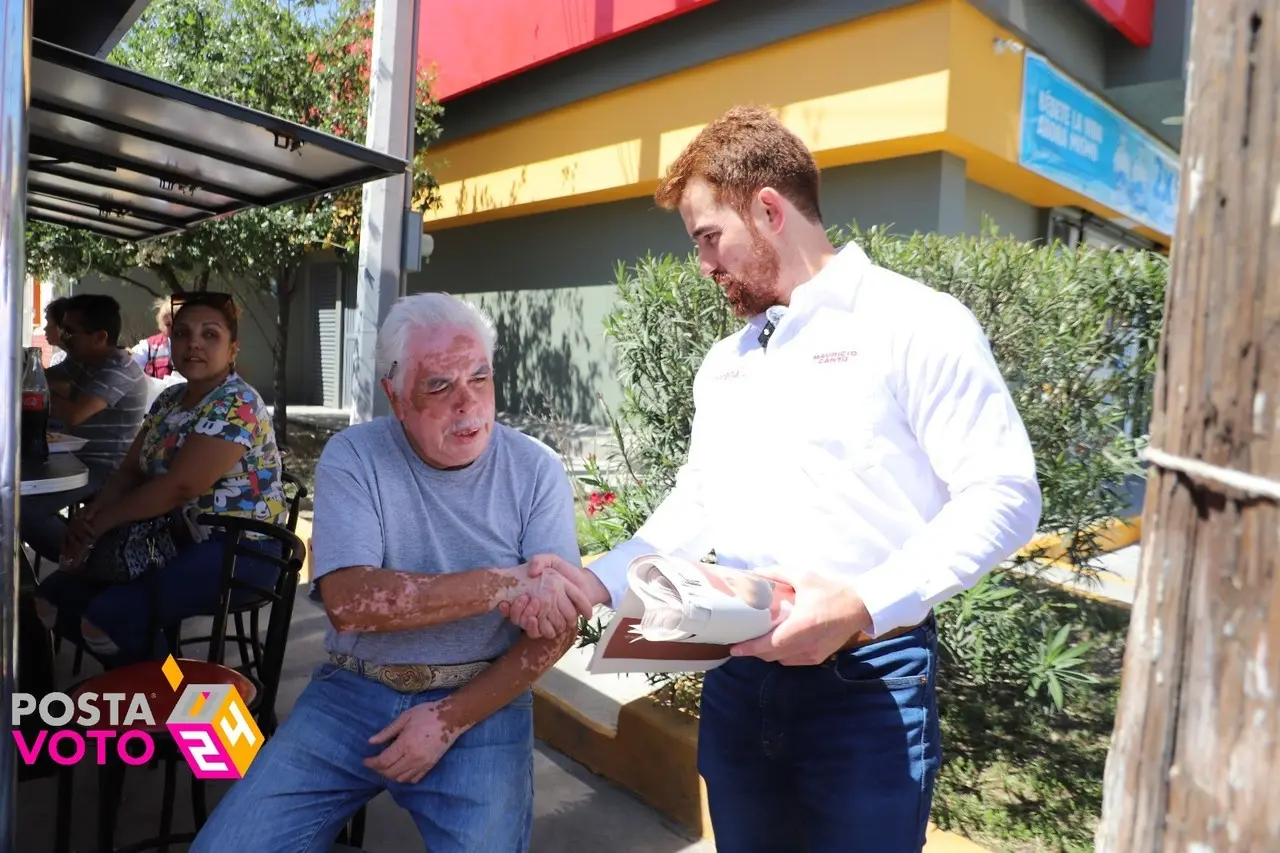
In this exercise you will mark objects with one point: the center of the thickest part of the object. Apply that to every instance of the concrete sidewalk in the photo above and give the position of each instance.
(575, 811)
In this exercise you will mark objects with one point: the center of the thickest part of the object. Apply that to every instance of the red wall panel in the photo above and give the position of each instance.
(1130, 17)
(473, 43)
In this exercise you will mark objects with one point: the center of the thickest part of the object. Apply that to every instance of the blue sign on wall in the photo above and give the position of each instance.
(1074, 139)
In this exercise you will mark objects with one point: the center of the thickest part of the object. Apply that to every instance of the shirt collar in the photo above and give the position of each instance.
(834, 286)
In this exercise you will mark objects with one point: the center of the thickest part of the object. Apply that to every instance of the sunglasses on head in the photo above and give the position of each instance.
(205, 298)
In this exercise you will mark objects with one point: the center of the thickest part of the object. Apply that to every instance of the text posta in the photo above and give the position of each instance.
(69, 746)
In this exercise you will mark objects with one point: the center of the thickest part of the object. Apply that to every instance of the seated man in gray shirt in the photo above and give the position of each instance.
(425, 522)
(97, 393)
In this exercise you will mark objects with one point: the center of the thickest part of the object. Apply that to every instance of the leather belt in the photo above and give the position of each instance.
(862, 638)
(412, 677)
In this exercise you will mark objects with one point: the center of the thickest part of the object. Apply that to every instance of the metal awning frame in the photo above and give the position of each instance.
(132, 198)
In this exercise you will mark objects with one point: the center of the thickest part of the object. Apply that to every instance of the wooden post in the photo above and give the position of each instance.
(1193, 764)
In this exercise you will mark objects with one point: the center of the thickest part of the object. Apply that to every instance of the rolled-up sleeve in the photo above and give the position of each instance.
(963, 416)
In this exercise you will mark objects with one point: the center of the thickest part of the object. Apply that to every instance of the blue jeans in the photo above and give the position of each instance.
(188, 585)
(835, 758)
(309, 779)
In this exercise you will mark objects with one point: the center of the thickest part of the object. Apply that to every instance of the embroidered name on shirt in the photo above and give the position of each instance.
(729, 374)
(834, 357)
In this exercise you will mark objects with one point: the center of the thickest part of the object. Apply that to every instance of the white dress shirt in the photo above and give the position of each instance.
(873, 440)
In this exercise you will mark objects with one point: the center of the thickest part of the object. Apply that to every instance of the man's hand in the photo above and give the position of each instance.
(418, 740)
(529, 612)
(556, 601)
(827, 612)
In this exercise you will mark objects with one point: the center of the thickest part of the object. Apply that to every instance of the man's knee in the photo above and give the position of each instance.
(98, 641)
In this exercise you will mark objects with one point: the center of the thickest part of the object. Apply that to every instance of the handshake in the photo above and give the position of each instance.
(548, 594)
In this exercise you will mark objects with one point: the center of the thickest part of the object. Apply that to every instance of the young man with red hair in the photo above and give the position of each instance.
(855, 440)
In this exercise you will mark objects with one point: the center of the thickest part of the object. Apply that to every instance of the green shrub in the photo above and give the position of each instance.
(1075, 334)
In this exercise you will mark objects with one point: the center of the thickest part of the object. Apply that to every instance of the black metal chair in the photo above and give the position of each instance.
(249, 643)
(280, 597)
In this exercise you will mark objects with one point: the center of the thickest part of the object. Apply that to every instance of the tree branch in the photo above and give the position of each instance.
(148, 288)
(170, 278)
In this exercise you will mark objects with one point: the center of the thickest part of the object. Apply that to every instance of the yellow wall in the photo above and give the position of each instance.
(927, 77)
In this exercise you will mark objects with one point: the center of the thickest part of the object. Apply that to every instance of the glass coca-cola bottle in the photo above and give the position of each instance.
(35, 411)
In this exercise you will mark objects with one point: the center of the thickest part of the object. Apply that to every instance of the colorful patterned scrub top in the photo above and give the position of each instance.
(232, 412)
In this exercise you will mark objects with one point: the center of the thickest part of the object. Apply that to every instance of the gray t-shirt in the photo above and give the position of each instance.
(378, 504)
(120, 382)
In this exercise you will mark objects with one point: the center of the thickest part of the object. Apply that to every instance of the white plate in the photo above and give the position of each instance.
(63, 443)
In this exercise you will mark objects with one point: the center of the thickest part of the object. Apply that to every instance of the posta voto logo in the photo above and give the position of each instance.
(210, 723)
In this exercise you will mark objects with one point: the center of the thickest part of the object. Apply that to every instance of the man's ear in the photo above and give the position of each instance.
(392, 397)
(772, 209)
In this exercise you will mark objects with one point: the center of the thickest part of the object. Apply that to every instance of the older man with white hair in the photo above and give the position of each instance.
(425, 522)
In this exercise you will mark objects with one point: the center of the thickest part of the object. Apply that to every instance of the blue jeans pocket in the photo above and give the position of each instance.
(896, 665)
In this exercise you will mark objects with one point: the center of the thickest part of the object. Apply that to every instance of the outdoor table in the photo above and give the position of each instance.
(62, 473)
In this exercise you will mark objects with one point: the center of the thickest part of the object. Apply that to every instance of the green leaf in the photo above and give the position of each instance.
(1055, 691)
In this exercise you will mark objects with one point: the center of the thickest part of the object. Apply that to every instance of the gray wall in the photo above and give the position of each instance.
(1012, 216)
(547, 279)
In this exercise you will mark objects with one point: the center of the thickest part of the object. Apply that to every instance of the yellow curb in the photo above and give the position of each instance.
(1112, 536)
(654, 755)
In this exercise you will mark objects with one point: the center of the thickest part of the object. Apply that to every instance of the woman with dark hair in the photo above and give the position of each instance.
(206, 446)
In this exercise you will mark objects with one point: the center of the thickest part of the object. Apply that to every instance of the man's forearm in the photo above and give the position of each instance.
(376, 600)
(498, 685)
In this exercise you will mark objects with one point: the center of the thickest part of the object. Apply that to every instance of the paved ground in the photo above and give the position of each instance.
(575, 810)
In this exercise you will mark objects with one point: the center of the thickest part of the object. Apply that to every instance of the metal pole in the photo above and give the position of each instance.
(379, 279)
(15, 54)
(411, 145)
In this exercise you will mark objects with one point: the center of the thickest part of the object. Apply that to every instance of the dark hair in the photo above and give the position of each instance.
(741, 153)
(98, 313)
(221, 302)
(56, 309)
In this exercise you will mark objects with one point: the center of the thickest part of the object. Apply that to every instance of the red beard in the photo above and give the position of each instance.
(756, 289)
